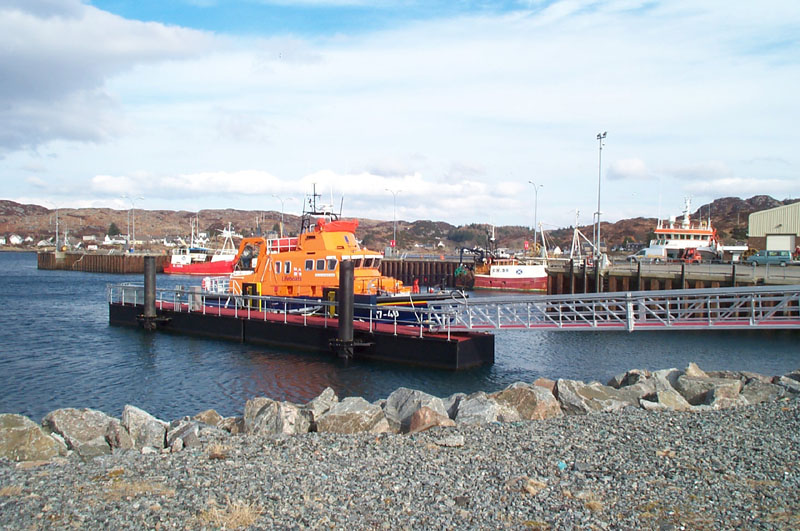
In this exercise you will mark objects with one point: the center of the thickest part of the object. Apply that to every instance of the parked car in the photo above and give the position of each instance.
(770, 257)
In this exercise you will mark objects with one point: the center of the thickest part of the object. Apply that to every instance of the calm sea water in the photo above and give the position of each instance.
(58, 350)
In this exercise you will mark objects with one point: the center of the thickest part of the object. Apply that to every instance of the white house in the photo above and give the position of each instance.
(113, 241)
(15, 239)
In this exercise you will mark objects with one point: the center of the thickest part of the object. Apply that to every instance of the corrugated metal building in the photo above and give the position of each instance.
(775, 229)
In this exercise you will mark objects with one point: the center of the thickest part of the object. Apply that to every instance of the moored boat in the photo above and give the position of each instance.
(307, 266)
(511, 274)
(494, 270)
(201, 261)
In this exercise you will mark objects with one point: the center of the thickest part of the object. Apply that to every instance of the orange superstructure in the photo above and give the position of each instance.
(305, 265)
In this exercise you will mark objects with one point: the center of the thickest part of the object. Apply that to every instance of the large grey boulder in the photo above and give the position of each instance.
(757, 391)
(744, 376)
(451, 403)
(666, 377)
(353, 415)
(630, 377)
(479, 408)
(320, 405)
(233, 425)
(21, 439)
(532, 402)
(183, 434)
(251, 410)
(788, 383)
(666, 398)
(402, 403)
(579, 398)
(264, 416)
(145, 430)
(794, 375)
(703, 390)
(117, 436)
(83, 430)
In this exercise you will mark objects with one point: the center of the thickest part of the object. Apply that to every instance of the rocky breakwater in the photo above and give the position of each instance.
(89, 433)
(649, 449)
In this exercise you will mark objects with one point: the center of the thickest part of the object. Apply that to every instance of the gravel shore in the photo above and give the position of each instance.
(633, 469)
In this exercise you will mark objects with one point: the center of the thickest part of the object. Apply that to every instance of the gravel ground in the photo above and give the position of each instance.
(735, 468)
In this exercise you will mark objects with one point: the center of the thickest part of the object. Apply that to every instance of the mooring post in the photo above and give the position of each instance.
(639, 276)
(683, 275)
(344, 344)
(149, 315)
(597, 276)
(572, 276)
(585, 277)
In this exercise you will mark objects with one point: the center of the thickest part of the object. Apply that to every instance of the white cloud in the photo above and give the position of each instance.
(712, 170)
(36, 182)
(743, 187)
(628, 169)
(55, 58)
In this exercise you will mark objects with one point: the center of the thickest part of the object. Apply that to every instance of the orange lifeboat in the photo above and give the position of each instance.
(304, 266)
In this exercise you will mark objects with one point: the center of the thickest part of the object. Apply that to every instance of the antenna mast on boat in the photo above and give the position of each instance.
(575, 250)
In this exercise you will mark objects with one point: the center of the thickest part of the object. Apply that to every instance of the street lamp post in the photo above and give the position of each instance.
(535, 211)
(132, 218)
(281, 200)
(600, 138)
(55, 206)
(394, 217)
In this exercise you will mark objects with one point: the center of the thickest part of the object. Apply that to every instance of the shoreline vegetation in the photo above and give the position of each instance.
(663, 449)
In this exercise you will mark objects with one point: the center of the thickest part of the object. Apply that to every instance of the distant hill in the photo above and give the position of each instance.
(728, 215)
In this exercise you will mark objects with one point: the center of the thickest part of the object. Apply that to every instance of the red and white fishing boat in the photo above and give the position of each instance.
(498, 271)
(511, 274)
(197, 260)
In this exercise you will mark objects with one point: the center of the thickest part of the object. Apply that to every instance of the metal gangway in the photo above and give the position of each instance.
(763, 307)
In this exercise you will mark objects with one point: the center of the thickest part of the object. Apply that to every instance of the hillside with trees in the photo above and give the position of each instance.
(729, 215)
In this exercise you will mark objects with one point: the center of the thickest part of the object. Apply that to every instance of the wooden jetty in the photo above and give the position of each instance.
(120, 263)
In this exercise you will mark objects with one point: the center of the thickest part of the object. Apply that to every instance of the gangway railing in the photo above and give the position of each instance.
(717, 308)
(196, 299)
(763, 307)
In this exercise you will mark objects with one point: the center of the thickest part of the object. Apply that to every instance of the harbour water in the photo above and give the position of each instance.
(58, 350)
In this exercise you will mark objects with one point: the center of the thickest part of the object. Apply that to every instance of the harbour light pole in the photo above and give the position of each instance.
(535, 211)
(132, 217)
(281, 200)
(600, 138)
(394, 217)
(55, 206)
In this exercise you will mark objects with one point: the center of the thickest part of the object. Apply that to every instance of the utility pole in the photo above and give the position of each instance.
(281, 200)
(394, 218)
(132, 219)
(600, 138)
(535, 211)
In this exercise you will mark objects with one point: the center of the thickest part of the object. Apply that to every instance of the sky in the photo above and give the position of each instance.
(465, 111)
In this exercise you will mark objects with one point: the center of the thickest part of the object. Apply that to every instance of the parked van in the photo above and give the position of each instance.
(770, 257)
